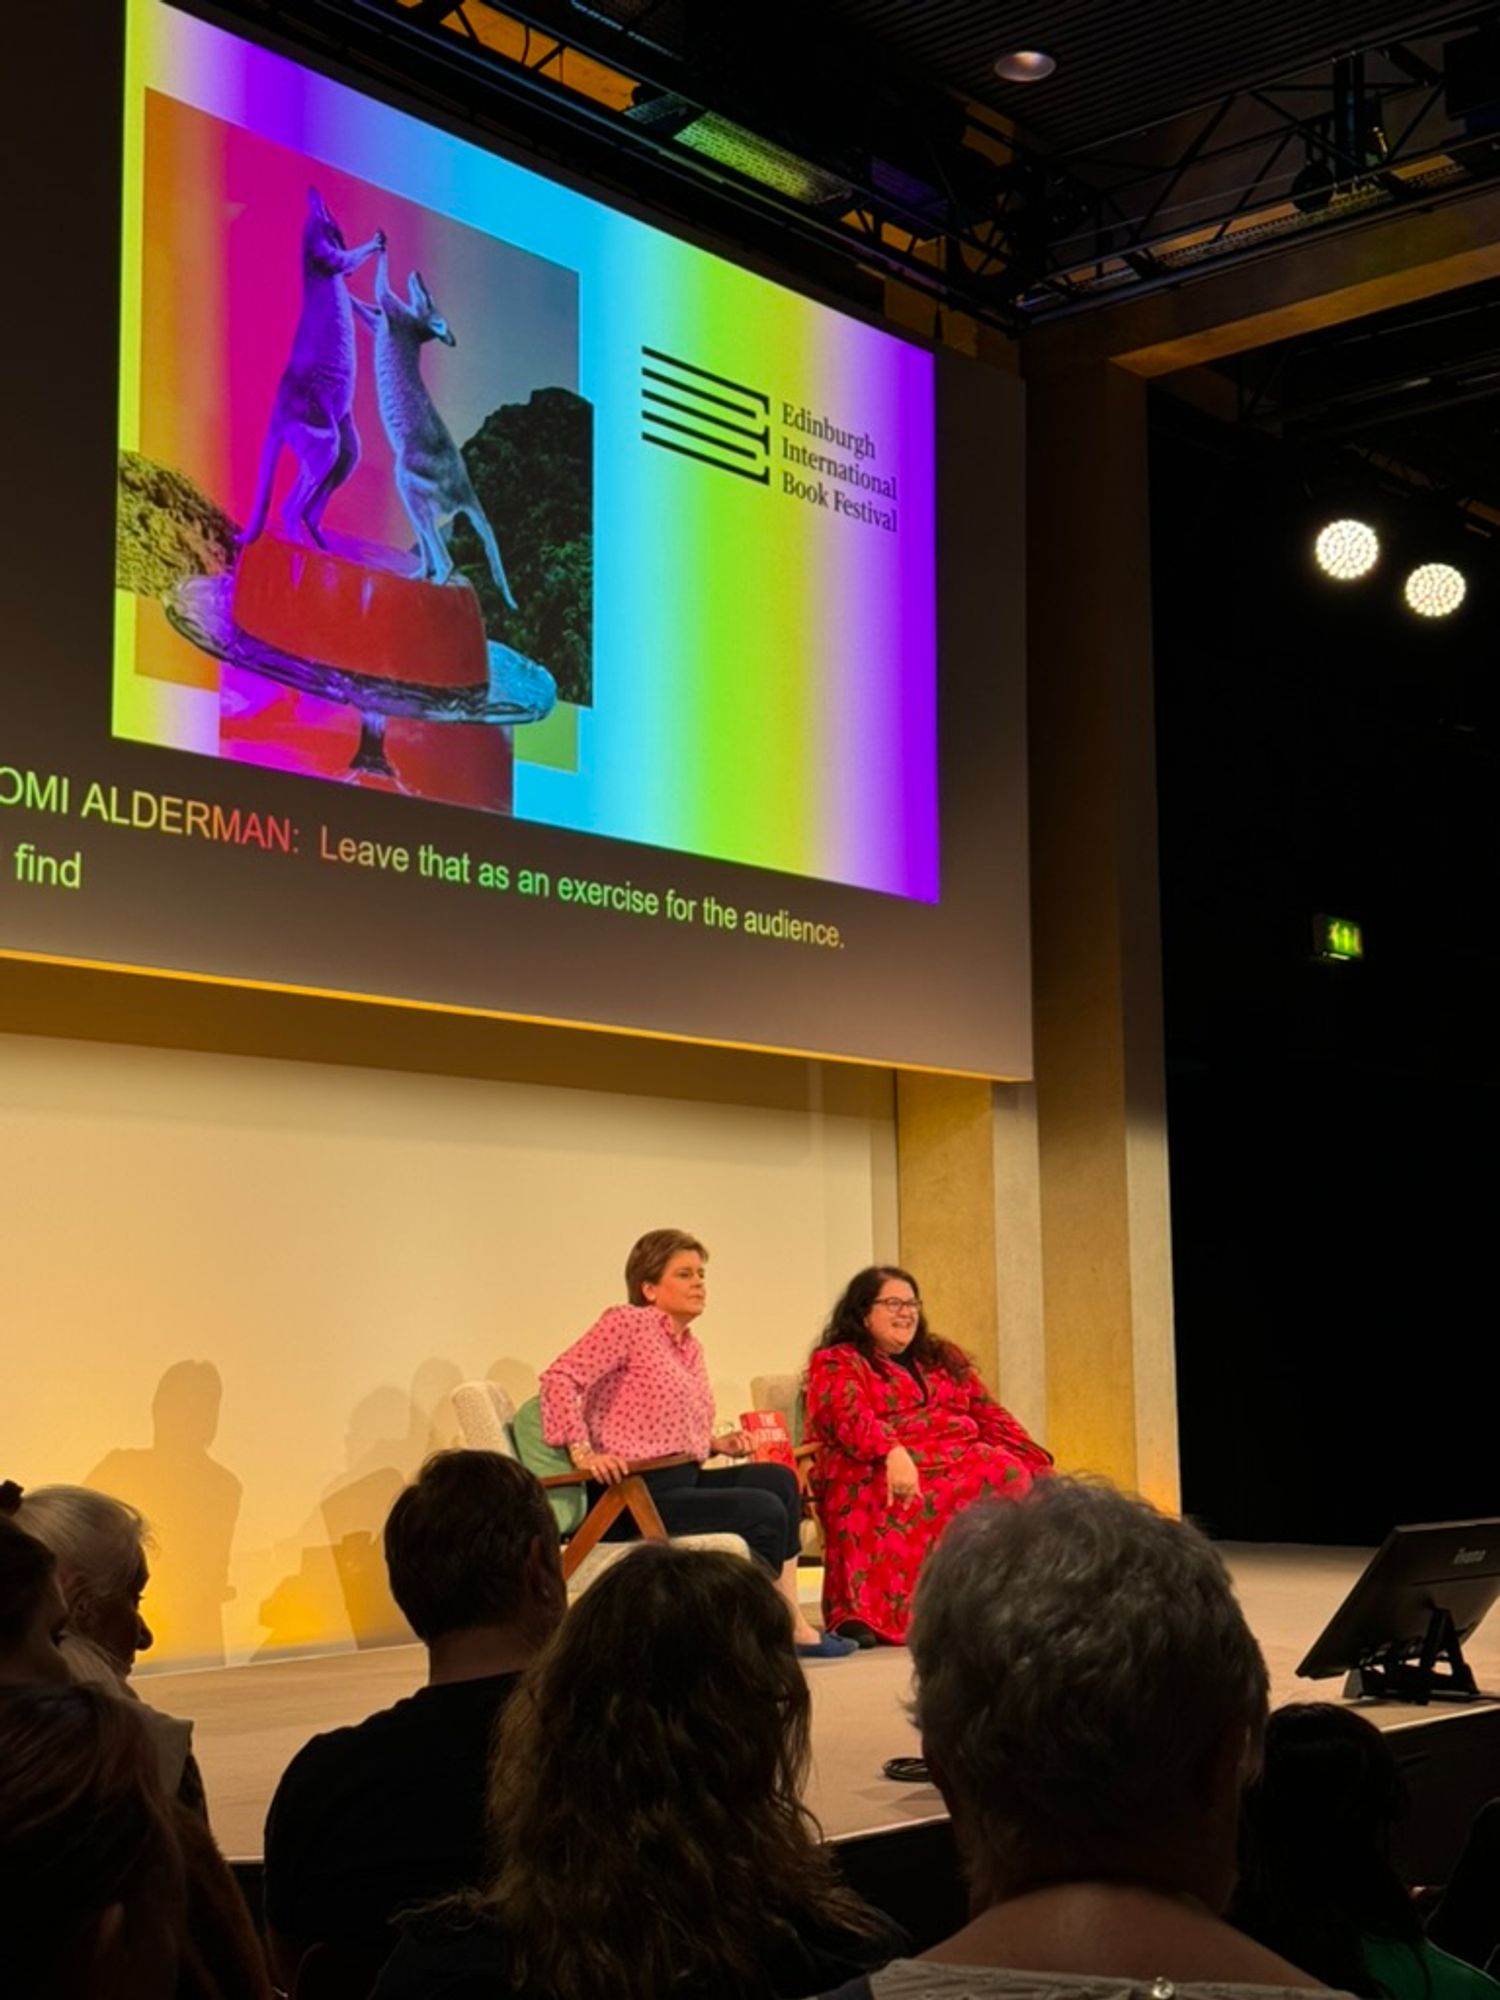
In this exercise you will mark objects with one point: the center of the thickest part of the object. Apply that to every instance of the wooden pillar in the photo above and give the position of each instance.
(946, 1185)
(1106, 1266)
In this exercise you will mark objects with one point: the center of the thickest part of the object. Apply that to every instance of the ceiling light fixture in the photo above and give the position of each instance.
(1025, 66)
(1347, 550)
(744, 152)
(1436, 589)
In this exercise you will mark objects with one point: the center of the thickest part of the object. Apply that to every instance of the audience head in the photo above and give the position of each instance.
(100, 1546)
(859, 1319)
(32, 1611)
(472, 1542)
(1089, 1694)
(648, 1778)
(1315, 1843)
(91, 1882)
(649, 1257)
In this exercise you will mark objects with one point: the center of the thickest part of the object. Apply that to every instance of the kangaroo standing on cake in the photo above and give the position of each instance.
(313, 414)
(431, 476)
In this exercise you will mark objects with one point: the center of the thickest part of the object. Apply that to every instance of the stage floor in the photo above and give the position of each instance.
(248, 1721)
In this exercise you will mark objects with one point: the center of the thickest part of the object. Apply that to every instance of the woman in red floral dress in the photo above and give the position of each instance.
(909, 1436)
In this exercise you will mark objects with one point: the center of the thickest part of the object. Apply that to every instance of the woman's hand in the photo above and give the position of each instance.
(601, 1466)
(733, 1444)
(901, 1481)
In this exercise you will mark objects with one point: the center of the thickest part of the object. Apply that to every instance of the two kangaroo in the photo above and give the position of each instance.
(431, 477)
(313, 414)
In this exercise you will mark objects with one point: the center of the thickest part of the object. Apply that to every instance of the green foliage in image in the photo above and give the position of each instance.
(532, 465)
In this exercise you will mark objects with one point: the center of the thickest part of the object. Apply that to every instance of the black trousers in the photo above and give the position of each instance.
(760, 1502)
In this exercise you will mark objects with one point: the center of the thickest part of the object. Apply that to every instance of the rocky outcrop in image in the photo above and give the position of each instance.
(532, 465)
(167, 529)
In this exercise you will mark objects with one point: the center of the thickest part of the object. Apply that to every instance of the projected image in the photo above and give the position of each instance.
(440, 478)
(353, 593)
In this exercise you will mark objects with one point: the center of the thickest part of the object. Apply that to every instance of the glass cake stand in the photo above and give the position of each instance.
(518, 690)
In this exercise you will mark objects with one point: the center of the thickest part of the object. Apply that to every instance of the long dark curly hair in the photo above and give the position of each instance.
(846, 1323)
(646, 1791)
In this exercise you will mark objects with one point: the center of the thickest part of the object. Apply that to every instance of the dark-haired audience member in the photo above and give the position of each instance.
(107, 1886)
(32, 1610)
(647, 1792)
(907, 1436)
(390, 1812)
(1090, 1700)
(92, 1895)
(1317, 1879)
(1466, 1921)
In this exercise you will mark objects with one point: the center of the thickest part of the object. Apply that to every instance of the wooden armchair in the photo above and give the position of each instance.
(489, 1421)
(631, 1496)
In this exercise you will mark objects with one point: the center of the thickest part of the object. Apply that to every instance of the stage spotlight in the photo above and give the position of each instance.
(1436, 589)
(1346, 550)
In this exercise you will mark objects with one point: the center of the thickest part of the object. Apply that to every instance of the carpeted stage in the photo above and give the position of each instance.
(249, 1720)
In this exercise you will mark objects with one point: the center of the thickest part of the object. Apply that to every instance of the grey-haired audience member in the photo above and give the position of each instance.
(1091, 1703)
(101, 1545)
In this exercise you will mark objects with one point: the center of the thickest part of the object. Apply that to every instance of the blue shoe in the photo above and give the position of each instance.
(827, 1647)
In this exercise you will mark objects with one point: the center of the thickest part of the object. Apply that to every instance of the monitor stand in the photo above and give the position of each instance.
(1439, 1672)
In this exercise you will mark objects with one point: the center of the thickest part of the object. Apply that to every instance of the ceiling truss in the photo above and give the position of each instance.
(914, 184)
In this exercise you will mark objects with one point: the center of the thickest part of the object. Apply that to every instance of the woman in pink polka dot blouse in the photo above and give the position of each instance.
(636, 1386)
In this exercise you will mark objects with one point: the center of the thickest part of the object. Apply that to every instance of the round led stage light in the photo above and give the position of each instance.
(1436, 589)
(1346, 550)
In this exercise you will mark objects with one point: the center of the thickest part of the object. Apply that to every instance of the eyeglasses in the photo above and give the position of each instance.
(901, 1306)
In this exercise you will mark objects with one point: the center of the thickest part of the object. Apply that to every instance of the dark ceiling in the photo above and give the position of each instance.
(1414, 394)
(856, 140)
(1120, 65)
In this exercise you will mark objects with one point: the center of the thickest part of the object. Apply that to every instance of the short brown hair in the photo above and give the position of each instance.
(457, 1538)
(650, 1256)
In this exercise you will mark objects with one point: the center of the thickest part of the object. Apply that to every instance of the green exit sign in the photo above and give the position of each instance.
(1337, 938)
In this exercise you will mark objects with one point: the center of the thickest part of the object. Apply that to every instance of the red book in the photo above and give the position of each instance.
(771, 1438)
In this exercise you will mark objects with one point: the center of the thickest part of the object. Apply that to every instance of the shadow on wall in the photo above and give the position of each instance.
(517, 1378)
(338, 1589)
(191, 1503)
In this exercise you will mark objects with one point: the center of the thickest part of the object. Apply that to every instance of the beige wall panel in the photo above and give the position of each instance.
(343, 1245)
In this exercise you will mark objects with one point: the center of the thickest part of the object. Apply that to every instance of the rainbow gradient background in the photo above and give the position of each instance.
(764, 670)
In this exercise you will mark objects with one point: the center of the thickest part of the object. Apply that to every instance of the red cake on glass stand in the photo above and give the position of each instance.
(340, 662)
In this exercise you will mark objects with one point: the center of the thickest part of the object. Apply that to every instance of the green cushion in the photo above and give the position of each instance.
(799, 1414)
(569, 1503)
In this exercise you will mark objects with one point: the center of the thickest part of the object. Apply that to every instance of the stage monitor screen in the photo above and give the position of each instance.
(498, 601)
(1423, 1592)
